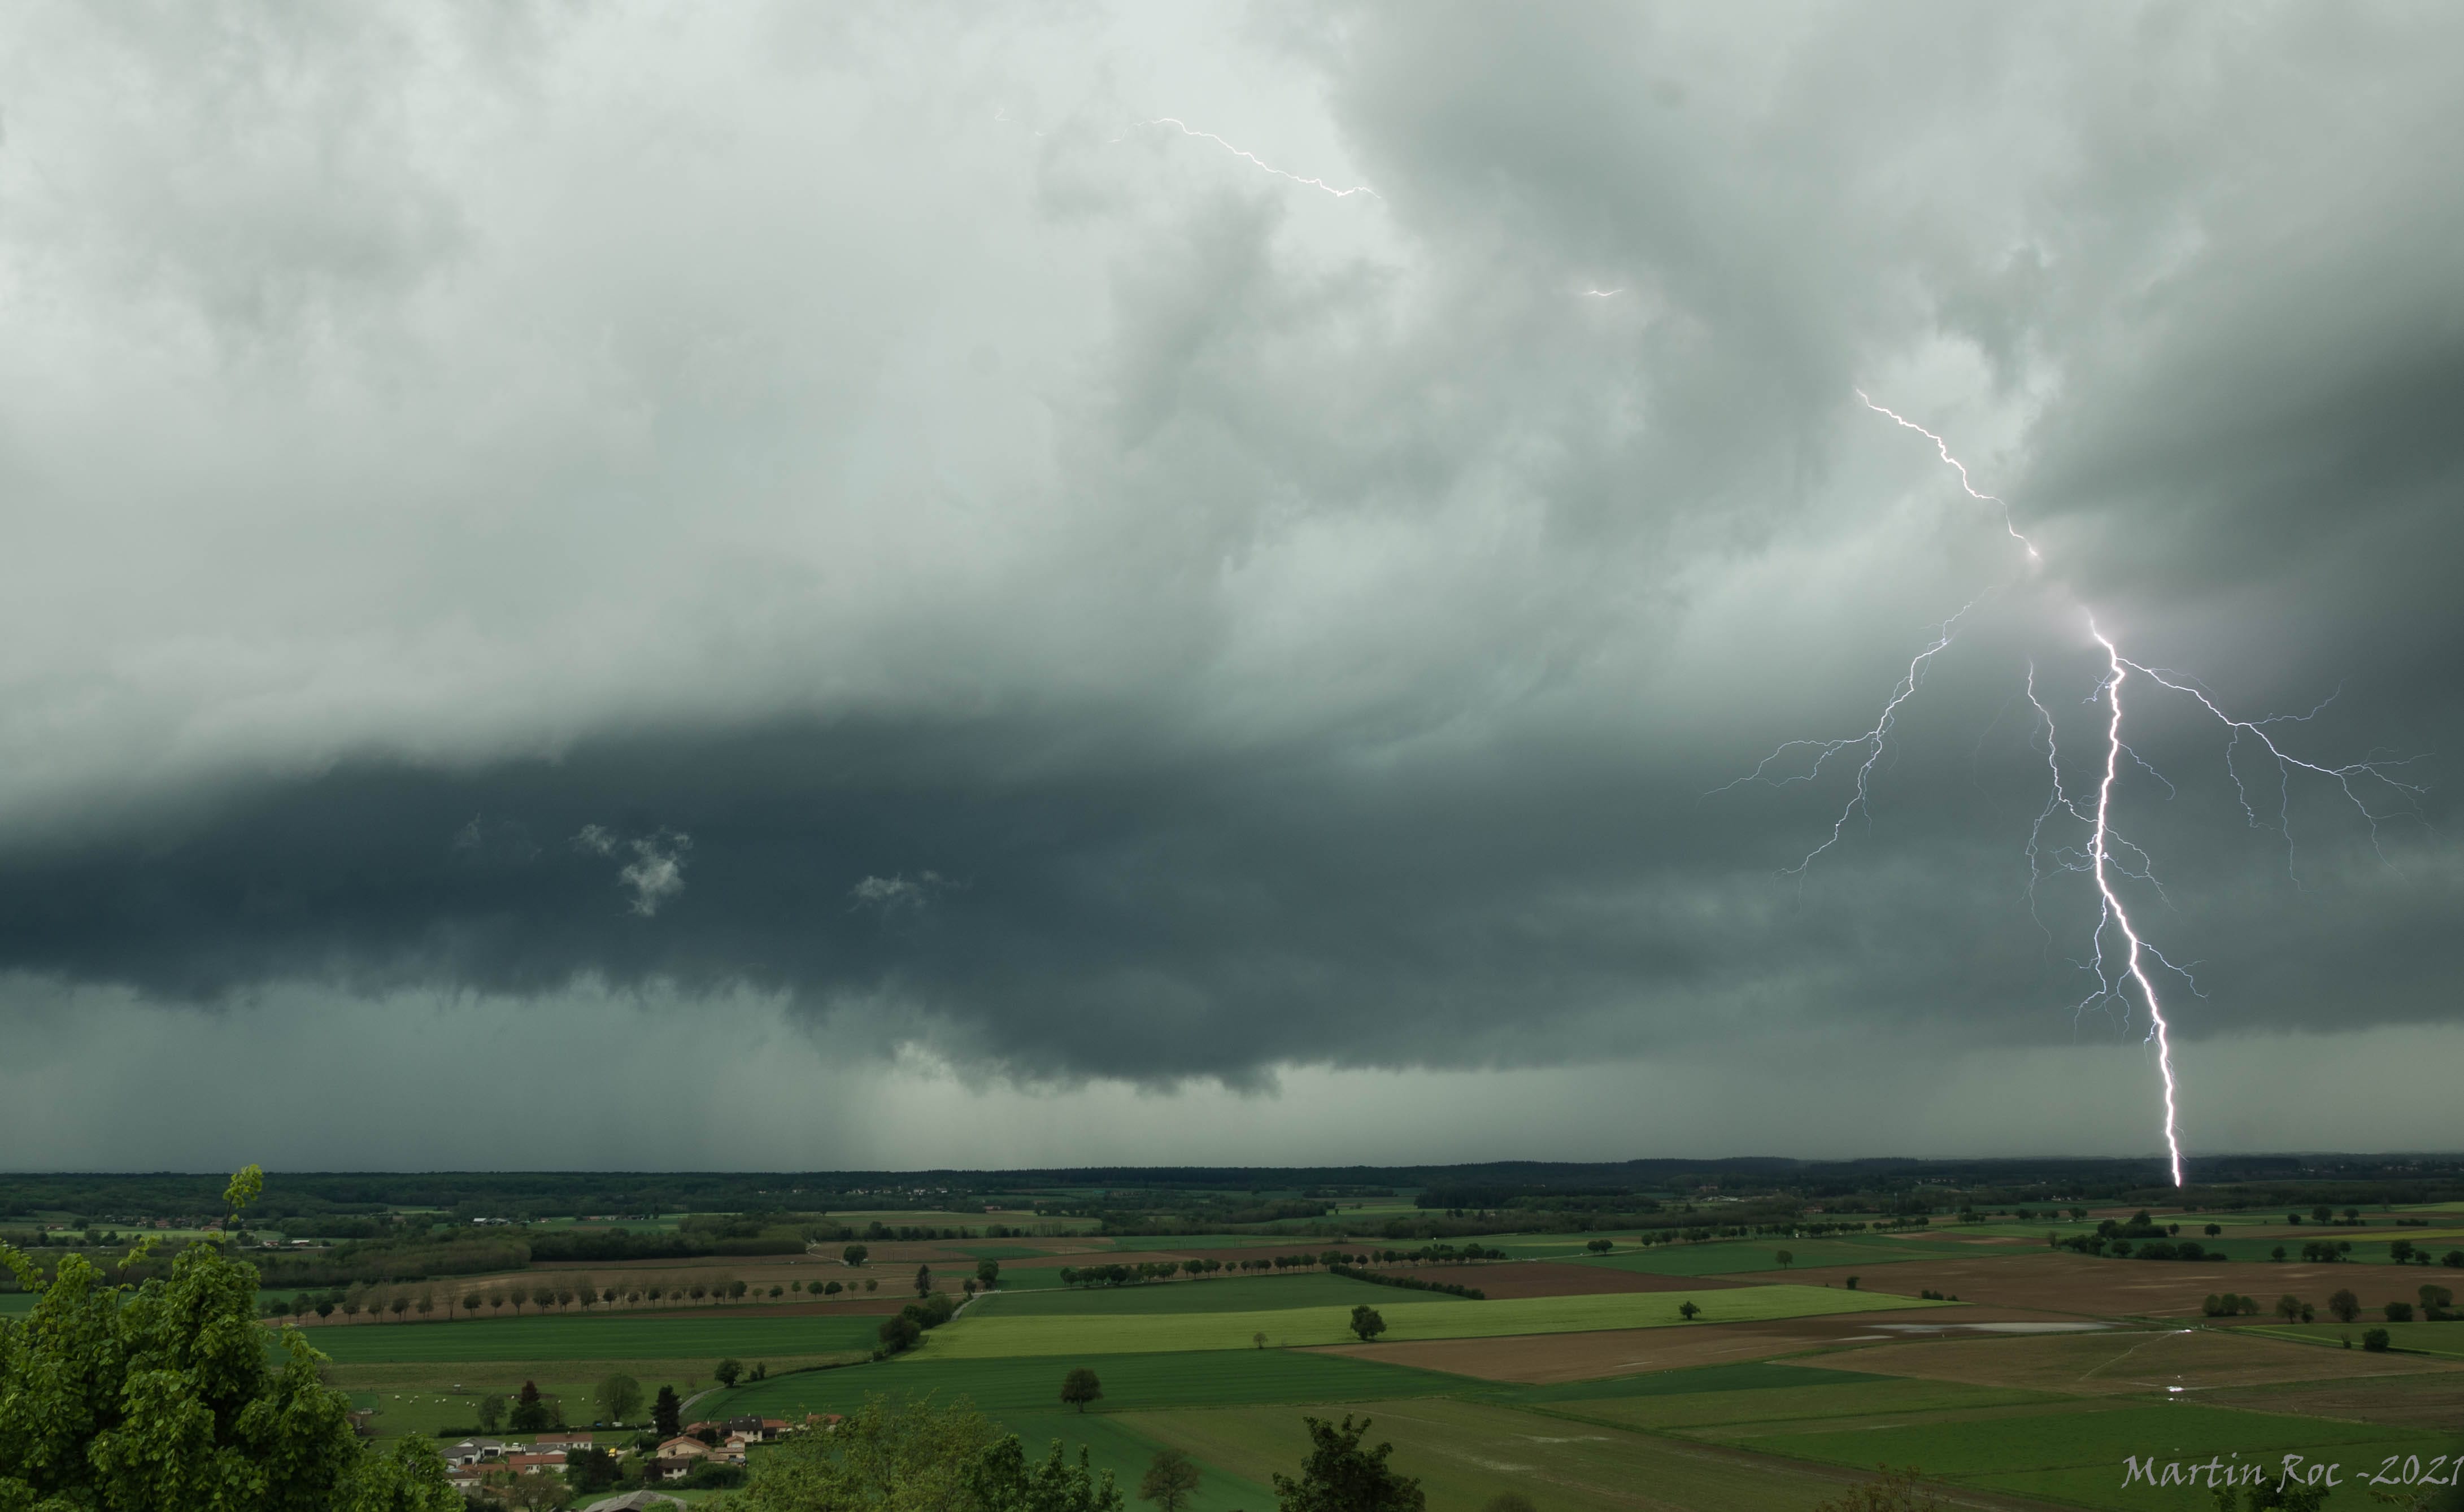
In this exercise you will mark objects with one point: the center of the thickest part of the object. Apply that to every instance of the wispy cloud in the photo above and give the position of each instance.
(656, 874)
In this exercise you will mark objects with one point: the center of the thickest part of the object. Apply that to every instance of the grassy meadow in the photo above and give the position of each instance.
(995, 1333)
(619, 1337)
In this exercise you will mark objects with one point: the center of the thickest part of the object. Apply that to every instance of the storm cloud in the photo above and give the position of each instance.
(846, 513)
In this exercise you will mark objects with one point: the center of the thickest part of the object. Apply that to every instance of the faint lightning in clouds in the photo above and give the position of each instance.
(1957, 466)
(1259, 163)
(1871, 743)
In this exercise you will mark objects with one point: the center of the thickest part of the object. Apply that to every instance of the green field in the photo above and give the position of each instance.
(992, 1335)
(2421, 1338)
(1665, 1412)
(669, 1338)
(1464, 1452)
(1001, 1386)
(1116, 1444)
(1218, 1294)
(2076, 1451)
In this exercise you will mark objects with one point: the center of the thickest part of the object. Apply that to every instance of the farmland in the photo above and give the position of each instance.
(616, 1338)
(997, 1334)
(2011, 1371)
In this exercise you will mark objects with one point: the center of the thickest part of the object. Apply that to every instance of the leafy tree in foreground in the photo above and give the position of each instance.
(917, 1457)
(1366, 1323)
(1170, 1481)
(1892, 1491)
(1080, 1387)
(1339, 1476)
(122, 1399)
(1001, 1482)
(2270, 1497)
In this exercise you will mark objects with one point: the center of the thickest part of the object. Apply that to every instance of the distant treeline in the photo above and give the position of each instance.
(1307, 1201)
(1409, 1282)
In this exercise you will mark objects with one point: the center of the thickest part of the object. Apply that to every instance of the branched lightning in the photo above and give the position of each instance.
(1871, 741)
(2107, 856)
(1257, 161)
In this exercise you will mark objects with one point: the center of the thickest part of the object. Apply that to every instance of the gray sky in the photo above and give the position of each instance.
(737, 585)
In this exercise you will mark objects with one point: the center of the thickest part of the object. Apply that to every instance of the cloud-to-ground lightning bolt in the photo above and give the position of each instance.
(1251, 158)
(2101, 851)
(2108, 855)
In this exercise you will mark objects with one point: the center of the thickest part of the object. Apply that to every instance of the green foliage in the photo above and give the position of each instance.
(1366, 1323)
(591, 1468)
(2375, 1339)
(1001, 1482)
(666, 1412)
(409, 1479)
(1891, 1491)
(919, 1458)
(619, 1397)
(1080, 1387)
(2270, 1497)
(247, 1185)
(922, 1457)
(728, 1371)
(1339, 1476)
(119, 1399)
(531, 1413)
(1170, 1481)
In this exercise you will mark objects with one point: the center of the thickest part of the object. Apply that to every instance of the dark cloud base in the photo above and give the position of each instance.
(1050, 903)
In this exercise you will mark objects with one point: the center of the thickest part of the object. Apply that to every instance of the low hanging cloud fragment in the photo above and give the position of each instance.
(896, 892)
(656, 874)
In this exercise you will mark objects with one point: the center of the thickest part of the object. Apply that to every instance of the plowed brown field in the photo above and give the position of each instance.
(1553, 1279)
